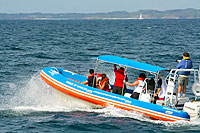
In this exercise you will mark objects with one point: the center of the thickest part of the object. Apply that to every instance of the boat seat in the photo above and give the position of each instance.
(160, 102)
(145, 97)
(127, 95)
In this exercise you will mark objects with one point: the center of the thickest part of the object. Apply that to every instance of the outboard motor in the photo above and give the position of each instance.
(193, 108)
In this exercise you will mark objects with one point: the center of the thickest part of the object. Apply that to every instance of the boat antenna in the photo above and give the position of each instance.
(95, 69)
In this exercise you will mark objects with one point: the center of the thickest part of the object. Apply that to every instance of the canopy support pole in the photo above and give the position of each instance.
(97, 64)
(123, 92)
(199, 73)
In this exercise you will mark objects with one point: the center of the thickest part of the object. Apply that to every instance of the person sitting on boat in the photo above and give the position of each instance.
(104, 83)
(99, 78)
(139, 84)
(91, 80)
(119, 85)
(185, 63)
(162, 87)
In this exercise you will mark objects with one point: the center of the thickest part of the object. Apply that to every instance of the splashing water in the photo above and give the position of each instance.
(37, 95)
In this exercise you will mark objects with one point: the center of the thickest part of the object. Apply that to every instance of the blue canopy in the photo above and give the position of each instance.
(130, 63)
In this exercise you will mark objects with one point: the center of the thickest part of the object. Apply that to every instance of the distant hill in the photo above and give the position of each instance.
(141, 14)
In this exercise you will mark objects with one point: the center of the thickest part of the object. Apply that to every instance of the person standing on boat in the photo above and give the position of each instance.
(162, 87)
(91, 80)
(119, 80)
(104, 83)
(139, 84)
(185, 63)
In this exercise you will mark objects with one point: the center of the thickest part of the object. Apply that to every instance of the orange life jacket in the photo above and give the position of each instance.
(106, 88)
(140, 79)
(90, 75)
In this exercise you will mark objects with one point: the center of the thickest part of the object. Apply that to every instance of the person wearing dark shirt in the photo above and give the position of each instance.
(91, 80)
(119, 81)
(161, 89)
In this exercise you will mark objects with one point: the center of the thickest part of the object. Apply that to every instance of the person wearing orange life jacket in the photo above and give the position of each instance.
(91, 80)
(139, 84)
(99, 78)
(104, 83)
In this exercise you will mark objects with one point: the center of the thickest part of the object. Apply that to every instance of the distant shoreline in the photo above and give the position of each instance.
(46, 19)
(117, 15)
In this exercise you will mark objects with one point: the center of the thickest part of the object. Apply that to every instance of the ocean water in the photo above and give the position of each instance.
(28, 104)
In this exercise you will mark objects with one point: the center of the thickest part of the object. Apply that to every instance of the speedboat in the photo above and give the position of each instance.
(171, 108)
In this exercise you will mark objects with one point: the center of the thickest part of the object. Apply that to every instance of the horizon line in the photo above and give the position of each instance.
(95, 12)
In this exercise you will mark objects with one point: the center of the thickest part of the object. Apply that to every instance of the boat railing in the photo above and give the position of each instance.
(170, 96)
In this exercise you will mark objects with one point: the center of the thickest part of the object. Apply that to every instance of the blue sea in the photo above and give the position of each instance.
(28, 104)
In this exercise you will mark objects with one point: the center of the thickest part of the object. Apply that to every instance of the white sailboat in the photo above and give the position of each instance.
(141, 16)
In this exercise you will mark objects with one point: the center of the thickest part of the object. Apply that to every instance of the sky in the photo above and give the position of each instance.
(92, 6)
